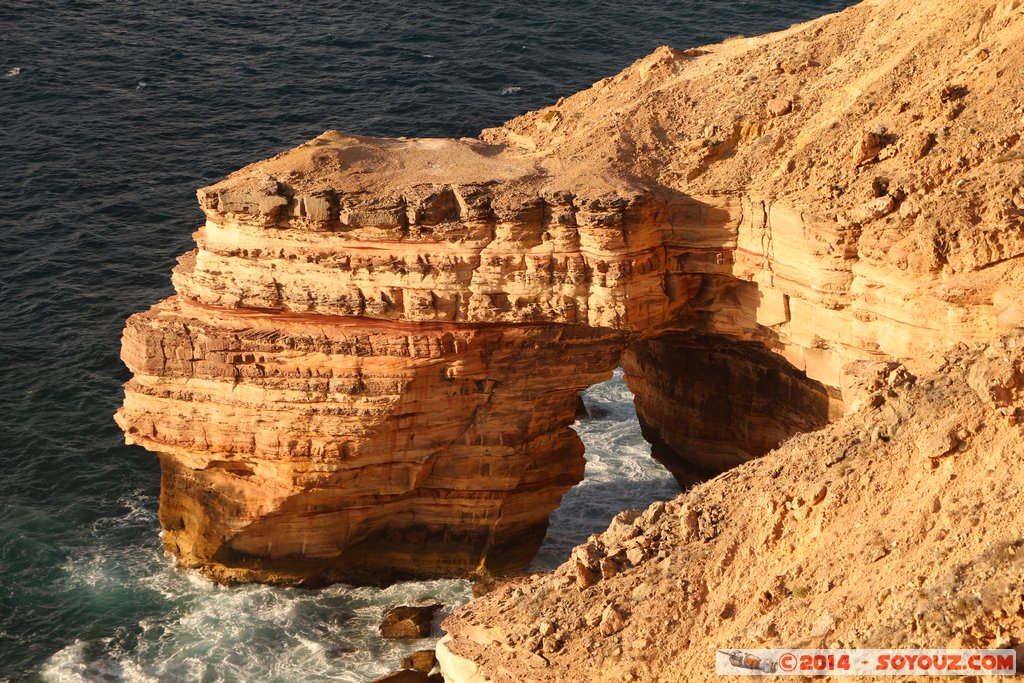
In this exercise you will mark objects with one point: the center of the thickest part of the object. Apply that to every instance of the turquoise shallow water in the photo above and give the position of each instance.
(112, 114)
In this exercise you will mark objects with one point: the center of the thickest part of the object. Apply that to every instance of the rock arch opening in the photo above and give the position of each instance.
(707, 403)
(371, 365)
(680, 409)
(332, 404)
(620, 473)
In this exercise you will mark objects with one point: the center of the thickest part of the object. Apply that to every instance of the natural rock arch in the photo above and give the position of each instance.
(372, 360)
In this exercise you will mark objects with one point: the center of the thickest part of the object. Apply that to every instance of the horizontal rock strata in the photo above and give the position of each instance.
(285, 439)
(371, 364)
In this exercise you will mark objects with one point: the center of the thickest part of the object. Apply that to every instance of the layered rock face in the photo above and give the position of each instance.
(284, 441)
(706, 404)
(371, 363)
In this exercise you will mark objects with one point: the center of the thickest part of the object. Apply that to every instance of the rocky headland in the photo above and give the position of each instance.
(812, 238)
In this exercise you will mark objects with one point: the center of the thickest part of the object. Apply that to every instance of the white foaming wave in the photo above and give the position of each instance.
(612, 391)
(436, 590)
(510, 90)
(620, 472)
(140, 510)
(631, 470)
(67, 664)
(158, 572)
(260, 633)
(111, 572)
(140, 506)
(206, 631)
(312, 645)
(617, 452)
(86, 571)
(13, 73)
(209, 632)
(197, 580)
(609, 436)
(74, 665)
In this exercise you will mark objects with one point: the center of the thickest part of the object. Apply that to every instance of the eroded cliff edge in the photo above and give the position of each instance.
(371, 362)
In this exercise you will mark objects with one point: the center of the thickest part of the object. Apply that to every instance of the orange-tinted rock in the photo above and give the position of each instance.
(706, 404)
(371, 365)
(421, 660)
(299, 448)
(800, 544)
(404, 676)
(408, 621)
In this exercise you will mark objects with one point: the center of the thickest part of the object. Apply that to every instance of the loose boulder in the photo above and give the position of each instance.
(408, 621)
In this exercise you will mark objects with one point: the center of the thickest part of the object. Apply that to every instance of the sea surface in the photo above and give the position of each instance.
(111, 115)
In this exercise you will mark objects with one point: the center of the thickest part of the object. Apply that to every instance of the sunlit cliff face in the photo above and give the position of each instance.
(371, 364)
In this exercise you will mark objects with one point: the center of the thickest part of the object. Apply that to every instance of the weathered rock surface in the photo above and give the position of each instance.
(707, 403)
(421, 660)
(371, 365)
(419, 667)
(864, 534)
(340, 448)
(408, 621)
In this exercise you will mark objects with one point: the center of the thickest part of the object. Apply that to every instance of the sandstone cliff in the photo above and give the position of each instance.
(371, 362)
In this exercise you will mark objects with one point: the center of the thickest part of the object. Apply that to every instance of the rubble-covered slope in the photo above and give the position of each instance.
(901, 525)
(903, 118)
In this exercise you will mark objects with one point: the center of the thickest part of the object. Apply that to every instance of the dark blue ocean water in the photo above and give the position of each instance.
(111, 115)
